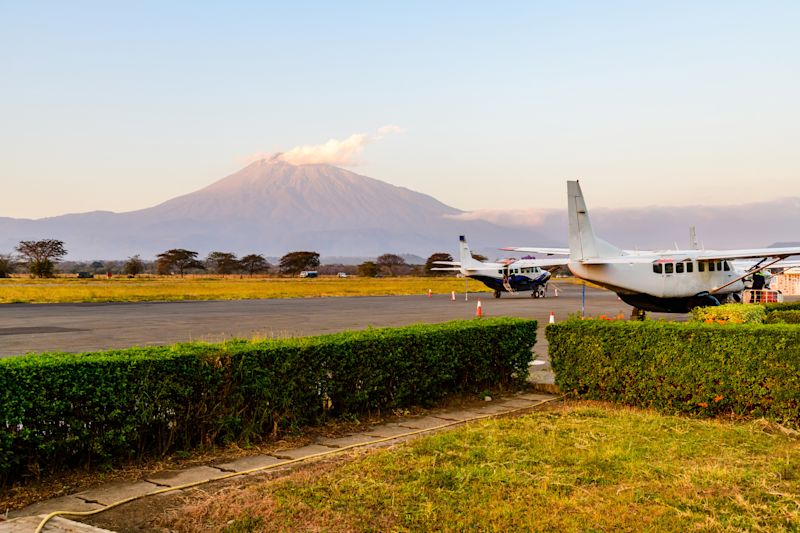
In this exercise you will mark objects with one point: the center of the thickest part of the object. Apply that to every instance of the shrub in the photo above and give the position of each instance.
(68, 409)
(783, 306)
(730, 314)
(749, 370)
(784, 317)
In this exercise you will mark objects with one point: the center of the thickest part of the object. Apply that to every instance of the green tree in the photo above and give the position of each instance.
(390, 262)
(133, 266)
(254, 263)
(178, 259)
(7, 265)
(430, 264)
(42, 256)
(368, 269)
(295, 262)
(222, 262)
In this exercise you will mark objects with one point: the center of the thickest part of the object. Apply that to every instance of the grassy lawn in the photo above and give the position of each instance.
(575, 467)
(167, 288)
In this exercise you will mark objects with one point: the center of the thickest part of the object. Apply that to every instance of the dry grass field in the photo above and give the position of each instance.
(576, 467)
(172, 288)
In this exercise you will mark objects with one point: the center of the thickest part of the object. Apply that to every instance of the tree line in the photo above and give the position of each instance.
(41, 257)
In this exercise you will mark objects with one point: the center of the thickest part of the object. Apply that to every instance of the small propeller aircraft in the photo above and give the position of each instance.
(671, 281)
(511, 275)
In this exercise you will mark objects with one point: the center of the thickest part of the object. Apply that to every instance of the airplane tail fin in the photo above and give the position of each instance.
(465, 254)
(583, 244)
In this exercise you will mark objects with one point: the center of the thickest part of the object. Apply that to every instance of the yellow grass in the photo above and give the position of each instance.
(169, 288)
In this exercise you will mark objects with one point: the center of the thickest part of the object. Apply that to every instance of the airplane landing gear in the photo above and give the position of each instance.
(538, 292)
(497, 294)
(638, 314)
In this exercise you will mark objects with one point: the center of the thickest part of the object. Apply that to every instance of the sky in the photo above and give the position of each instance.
(120, 106)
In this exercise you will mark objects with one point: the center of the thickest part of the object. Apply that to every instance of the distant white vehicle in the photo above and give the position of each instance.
(309, 274)
(342, 274)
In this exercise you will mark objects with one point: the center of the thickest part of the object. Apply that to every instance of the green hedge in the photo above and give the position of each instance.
(78, 409)
(750, 370)
(784, 306)
(730, 314)
(784, 317)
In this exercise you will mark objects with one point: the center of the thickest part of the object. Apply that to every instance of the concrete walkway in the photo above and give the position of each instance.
(26, 520)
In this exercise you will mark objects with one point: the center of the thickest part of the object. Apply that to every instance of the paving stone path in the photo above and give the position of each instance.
(26, 520)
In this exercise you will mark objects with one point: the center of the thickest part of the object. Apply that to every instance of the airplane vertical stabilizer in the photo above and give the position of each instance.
(466, 258)
(583, 244)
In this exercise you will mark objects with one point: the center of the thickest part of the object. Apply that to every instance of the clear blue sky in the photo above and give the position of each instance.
(119, 106)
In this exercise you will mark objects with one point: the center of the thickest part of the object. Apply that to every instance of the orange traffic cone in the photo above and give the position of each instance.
(552, 318)
(479, 310)
(453, 295)
(430, 293)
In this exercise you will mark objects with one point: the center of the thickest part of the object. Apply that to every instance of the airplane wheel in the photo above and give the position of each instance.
(638, 314)
(534, 293)
(497, 294)
(542, 292)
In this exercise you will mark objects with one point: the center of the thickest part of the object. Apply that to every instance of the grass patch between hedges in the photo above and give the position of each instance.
(577, 466)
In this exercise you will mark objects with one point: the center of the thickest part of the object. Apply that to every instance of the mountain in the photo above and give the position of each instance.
(272, 207)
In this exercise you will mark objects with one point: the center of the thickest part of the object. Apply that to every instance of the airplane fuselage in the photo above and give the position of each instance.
(516, 276)
(665, 285)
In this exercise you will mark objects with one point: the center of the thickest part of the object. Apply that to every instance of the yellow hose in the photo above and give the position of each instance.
(52, 515)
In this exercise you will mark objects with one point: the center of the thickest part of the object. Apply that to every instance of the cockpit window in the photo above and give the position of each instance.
(726, 266)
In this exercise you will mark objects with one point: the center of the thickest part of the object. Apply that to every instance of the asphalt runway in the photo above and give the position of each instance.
(28, 328)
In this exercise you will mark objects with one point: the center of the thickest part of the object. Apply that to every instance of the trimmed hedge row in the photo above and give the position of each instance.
(784, 317)
(730, 314)
(69, 409)
(750, 370)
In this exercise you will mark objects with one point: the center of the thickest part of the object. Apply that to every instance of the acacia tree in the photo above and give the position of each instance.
(368, 269)
(133, 266)
(430, 264)
(177, 259)
(390, 262)
(254, 263)
(7, 265)
(42, 256)
(222, 262)
(295, 262)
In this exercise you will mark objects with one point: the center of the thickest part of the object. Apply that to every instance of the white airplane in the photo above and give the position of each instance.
(513, 275)
(671, 281)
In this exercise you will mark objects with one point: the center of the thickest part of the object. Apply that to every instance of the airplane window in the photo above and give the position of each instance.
(657, 268)
(668, 268)
(689, 267)
(711, 266)
(701, 267)
(499, 271)
(719, 266)
(726, 266)
(679, 268)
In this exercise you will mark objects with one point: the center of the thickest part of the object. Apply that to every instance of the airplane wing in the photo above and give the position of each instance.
(752, 253)
(546, 251)
(630, 260)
